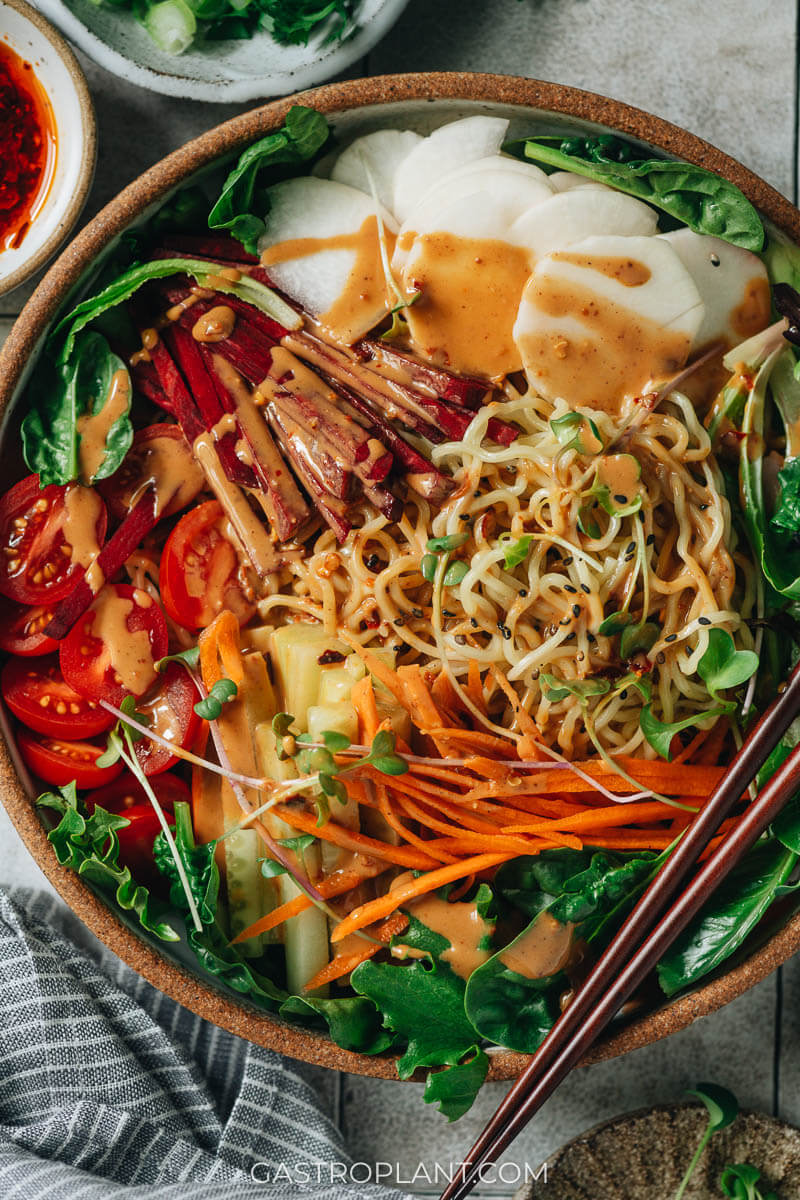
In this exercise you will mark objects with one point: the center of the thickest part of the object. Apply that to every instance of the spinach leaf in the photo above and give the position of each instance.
(81, 386)
(725, 921)
(353, 1022)
(705, 202)
(454, 1089)
(89, 844)
(787, 514)
(243, 203)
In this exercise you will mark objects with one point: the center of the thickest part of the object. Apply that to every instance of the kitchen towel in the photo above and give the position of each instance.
(111, 1091)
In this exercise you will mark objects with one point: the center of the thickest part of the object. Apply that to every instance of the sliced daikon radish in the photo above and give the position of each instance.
(446, 148)
(603, 321)
(513, 190)
(578, 213)
(562, 181)
(321, 247)
(375, 157)
(482, 173)
(732, 282)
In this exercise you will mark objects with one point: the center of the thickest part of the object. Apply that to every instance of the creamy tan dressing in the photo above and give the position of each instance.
(215, 325)
(177, 310)
(163, 718)
(544, 949)
(222, 279)
(620, 473)
(250, 533)
(362, 302)
(470, 292)
(225, 425)
(126, 651)
(93, 428)
(82, 507)
(621, 353)
(167, 467)
(462, 925)
(753, 314)
(626, 271)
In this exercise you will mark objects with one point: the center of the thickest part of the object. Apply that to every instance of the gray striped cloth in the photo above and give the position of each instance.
(108, 1090)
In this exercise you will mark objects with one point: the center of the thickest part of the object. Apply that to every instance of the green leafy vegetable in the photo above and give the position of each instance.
(574, 431)
(558, 689)
(723, 1109)
(450, 541)
(739, 1182)
(515, 552)
(243, 203)
(704, 201)
(787, 514)
(722, 665)
(187, 658)
(660, 733)
(210, 707)
(89, 844)
(615, 623)
(292, 22)
(81, 386)
(455, 573)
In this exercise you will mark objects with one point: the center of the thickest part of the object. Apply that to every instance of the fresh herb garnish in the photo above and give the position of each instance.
(515, 552)
(574, 431)
(723, 1109)
(210, 707)
(186, 658)
(739, 1182)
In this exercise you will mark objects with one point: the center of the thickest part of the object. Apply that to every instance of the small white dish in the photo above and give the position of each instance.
(224, 71)
(56, 68)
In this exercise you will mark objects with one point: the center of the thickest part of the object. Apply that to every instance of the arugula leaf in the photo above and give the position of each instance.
(80, 386)
(724, 922)
(89, 844)
(704, 201)
(722, 665)
(243, 204)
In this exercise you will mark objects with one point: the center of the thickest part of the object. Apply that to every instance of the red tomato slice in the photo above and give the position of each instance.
(126, 793)
(112, 650)
(21, 629)
(35, 692)
(126, 796)
(171, 713)
(47, 537)
(58, 761)
(200, 571)
(159, 454)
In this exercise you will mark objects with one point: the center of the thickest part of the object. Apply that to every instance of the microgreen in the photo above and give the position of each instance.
(615, 623)
(428, 567)
(515, 552)
(187, 658)
(559, 689)
(739, 1182)
(723, 666)
(455, 573)
(636, 639)
(571, 434)
(210, 708)
(318, 761)
(399, 325)
(429, 564)
(587, 523)
(723, 1109)
(450, 541)
(660, 733)
(270, 868)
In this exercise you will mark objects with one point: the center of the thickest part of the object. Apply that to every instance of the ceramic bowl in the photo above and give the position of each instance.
(56, 68)
(644, 1154)
(423, 101)
(226, 71)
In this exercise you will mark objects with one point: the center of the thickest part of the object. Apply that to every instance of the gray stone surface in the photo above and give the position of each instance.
(727, 72)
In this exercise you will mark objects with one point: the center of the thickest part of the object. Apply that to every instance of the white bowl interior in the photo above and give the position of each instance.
(72, 134)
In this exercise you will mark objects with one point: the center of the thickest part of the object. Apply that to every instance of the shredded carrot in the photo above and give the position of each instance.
(383, 906)
(377, 667)
(219, 644)
(363, 699)
(524, 719)
(474, 688)
(343, 964)
(710, 754)
(385, 808)
(283, 912)
(601, 818)
(359, 843)
(419, 701)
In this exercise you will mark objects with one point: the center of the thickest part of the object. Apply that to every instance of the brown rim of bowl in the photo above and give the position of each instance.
(235, 1015)
(88, 154)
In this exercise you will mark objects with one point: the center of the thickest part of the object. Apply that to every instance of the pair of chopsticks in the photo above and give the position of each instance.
(661, 914)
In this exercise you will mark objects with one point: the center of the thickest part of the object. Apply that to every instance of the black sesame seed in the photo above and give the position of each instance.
(585, 587)
(569, 588)
(576, 610)
(592, 638)
(702, 507)
(418, 613)
(661, 658)
(465, 517)
(476, 495)
(473, 623)
(447, 613)
(620, 499)
(671, 637)
(399, 621)
(568, 561)
(523, 592)
(566, 621)
(640, 515)
(631, 547)
(651, 537)
(570, 637)
(704, 621)
(623, 694)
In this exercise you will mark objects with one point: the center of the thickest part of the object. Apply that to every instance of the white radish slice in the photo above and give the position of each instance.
(732, 282)
(563, 181)
(321, 248)
(375, 157)
(601, 322)
(578, 213)
(446, 148)
(479, 173)
(514, 191)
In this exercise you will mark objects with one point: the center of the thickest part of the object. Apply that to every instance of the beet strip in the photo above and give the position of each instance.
(460, 389)
(204, 245)
(119, 547)
(332, 509)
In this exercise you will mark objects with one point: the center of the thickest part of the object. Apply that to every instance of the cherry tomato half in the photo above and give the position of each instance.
(35, 692)
(126, 796)
(47, 538)
(200, 571)
(58, 761)
(171, 712)
(112, 650)
(22, 629)
(160, 454)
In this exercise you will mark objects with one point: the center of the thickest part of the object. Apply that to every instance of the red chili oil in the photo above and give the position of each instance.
(27, 147)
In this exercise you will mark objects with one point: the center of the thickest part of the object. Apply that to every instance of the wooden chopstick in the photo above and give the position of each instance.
(632, 953)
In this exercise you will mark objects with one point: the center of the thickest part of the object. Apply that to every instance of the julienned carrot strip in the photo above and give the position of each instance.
(643, 813)
(219, 650)
(359, 843)
(711, 751)
(684, 780)
(394, 822)
(688, 751)
(363, 699)
(477, 837)
(524, 719)
(375, 910)
(474, 688)
(378, 668)
(278, 915)
(638, 840)
(343, 964)
(419, 701)
(474, 739)
(447, 699)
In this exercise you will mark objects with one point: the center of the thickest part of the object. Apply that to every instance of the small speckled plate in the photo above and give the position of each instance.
(56, 68)
(422, 102)
(225, 71)
(643, 1156)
